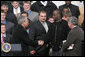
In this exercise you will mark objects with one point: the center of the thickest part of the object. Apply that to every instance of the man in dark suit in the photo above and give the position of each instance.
(16, 8)
(33, 16)
(60, 31)
(44, 5)
(40, 32)
(74, 9)
(5, 38)
(9, 16)
(74, 39)
(20, 36)
(9, 25)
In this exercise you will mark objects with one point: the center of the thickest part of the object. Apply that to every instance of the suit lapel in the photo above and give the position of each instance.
(41, 26)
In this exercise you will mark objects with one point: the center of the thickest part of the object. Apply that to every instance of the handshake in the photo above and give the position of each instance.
(40, 43)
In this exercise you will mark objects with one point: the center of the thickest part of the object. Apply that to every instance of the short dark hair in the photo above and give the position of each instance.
(2, 11)
(43, 11)
(3, 24)
(16, 1)
(4, 3)
(24, 12)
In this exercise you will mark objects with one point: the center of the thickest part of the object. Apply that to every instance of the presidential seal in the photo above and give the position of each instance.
(6, 47)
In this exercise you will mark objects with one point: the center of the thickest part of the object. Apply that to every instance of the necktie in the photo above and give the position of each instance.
(2, 40)
(16, 12)
(45, 26)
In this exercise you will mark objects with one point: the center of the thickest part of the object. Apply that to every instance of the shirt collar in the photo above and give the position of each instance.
(29, 12)
(4, 22)
(4, 35)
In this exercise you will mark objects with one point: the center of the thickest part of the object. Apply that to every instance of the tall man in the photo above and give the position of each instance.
(75, 38)
(41, 33)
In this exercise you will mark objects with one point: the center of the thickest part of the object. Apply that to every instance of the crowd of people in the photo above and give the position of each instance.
(42, 28)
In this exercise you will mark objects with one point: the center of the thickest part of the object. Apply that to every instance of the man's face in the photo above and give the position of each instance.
(26, 6)
(3, 29)
(3, 16)
(69, 24)
(26, 22)
(15, 4)
(42, 16)
(5, 8)
(56, 15)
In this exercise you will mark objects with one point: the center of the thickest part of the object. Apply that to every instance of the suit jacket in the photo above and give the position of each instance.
(20, 36)
(74, 9)
(60, 32)
(37, 32)
(11, 9)
(76, 36)
(37, 6)
(33, 16)
(7, 39)
(9, 27)
(11, 18)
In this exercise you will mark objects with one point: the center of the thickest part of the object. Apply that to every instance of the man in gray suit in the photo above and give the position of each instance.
(75, 37)
(33, 16)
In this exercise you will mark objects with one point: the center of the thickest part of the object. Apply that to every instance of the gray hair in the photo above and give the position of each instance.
(21, 19)
(73, 20)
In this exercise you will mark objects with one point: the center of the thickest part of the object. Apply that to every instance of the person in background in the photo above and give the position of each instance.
(16, 8)
(9, 16)
(66, 14)
(33, 16)
(74, 39)
(9, 25)
(73, 8)
(48, 6)
(5, 38)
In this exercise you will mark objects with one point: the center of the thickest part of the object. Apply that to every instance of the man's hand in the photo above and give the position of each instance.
(32, 52)
(51, 20)
(40, 42)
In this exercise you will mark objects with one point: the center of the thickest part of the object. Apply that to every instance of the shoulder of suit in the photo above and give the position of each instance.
(74, 6)
(34, 12)
(10, 23)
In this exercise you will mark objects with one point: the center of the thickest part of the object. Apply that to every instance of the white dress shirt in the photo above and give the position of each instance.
(18, 10)
(45, 26)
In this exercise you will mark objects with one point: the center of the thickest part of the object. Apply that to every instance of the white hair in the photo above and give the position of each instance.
(21, 19)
